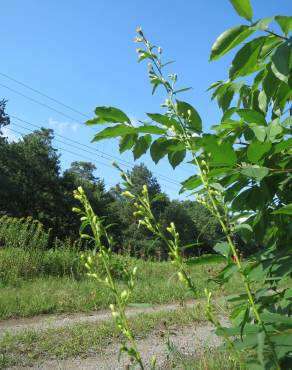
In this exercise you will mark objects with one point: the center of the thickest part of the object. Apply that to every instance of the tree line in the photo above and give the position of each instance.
(32, 183)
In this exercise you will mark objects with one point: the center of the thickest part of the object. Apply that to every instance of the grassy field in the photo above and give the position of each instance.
(30, 288)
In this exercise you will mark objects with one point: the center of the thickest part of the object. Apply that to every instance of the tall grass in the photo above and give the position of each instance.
(17, 264)
(25, 233)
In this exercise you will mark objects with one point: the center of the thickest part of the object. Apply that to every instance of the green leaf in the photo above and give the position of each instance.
(260, 132)
(263, 23)
(158, 149)
(263, 102)
(257, 149)
(149, 129)
(165, 120)
(243, 8)
(269, 45)
(273, 130)
(270, 83)
(242, 227)
(205, 259)
(282, 60)
(285, 210)
(285, 22)
(190, 115)
(255, 172)
(116, 131)
(246, 59)
(282, 344)
(225, 274)
(223, 248)
(192, 182)
(285, 144)
(141, 146)
(252, 116)
(182, 90)
(175, 158)
(222, 154)
(276, 318)
(215, 84)
(260, 347)
(127, 142)
(229, 39)
(108, 115)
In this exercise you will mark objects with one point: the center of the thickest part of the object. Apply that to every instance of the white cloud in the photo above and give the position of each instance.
(11, 136)
(62, 127)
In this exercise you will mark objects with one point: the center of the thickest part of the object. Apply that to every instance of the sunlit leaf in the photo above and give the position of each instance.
(285, 210)
(205, 259)
(191, 116)
(141, 146)
(282, 61)
(108, 115)
(229, 39)
(223, 248)
(252, 116)
(255, 172)
(285, 22)
(243, 8)
(176, 157)
(246, 61)
(127, 142)
(115, 131)
(257, 149)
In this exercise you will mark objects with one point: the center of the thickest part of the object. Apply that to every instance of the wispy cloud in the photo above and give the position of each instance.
(11, 136)
(62, 127)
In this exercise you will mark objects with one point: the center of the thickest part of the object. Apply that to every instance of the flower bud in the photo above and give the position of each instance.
(128, 194)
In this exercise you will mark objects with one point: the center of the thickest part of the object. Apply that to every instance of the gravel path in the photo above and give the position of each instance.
(188, 341)
(43, 322)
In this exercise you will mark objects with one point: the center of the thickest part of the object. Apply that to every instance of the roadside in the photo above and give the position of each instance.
(93, 341)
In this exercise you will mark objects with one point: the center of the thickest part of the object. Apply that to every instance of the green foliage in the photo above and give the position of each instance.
(243, 8)
(18, 265)
(4, 118)
(244, 171)
(24, 233)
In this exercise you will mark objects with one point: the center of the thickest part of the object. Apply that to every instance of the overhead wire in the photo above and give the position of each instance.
(58, 111)
(44, 95)
(94, 161)
(93, 151)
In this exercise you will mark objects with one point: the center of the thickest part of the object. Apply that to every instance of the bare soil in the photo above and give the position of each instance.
(43, 322)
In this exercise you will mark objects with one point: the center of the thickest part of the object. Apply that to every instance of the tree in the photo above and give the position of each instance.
(140, 175)
(4, 118)
(82, 174)
(29, 184)
(129, 236)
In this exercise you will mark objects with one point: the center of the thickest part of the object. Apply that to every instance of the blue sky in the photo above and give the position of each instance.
(82, 53)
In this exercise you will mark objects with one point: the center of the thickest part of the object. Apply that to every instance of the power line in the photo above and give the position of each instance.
(96, 151)
(40, 103)
(81, 155)
(58, 111)
(45, 95)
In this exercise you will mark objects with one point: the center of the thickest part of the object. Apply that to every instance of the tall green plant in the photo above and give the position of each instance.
(244, 172)
(93, 228)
